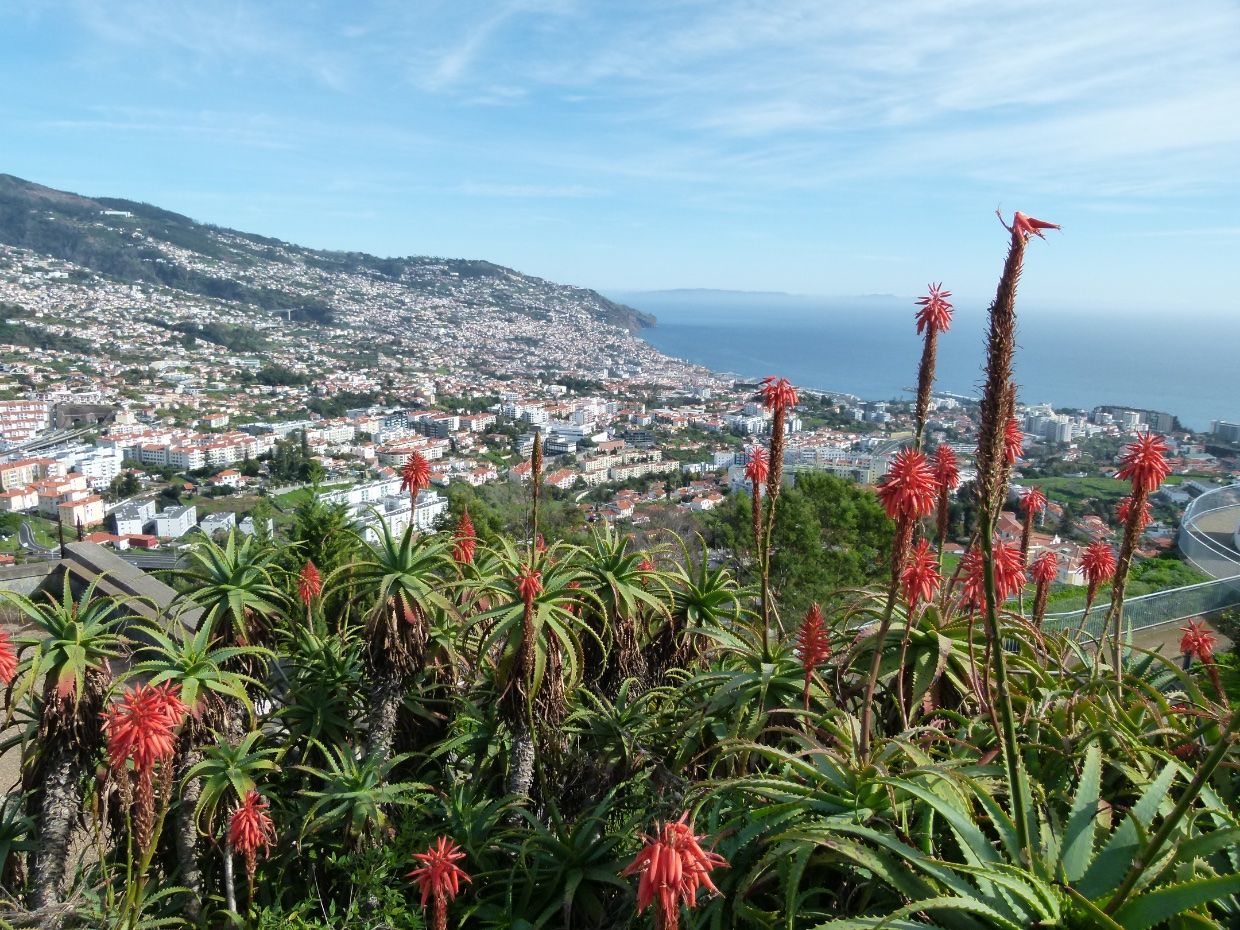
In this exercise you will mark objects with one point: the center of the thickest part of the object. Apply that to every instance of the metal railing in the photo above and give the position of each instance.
(1222, 562)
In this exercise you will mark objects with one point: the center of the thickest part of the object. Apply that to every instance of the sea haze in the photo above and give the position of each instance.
(868, 346)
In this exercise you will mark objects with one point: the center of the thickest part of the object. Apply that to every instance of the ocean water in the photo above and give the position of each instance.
(868, 346)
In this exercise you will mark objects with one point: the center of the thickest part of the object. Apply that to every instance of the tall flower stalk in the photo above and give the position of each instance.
(250, 829)
(1098, 567)
(907, 493)
(813, 644)
(947, 477)
(1044, 569)
(1144, 463)
(778, 396)
(996, 406)
(934, 317)
(1033, 502)
(141, 730)
(536, 467)
(756, 470)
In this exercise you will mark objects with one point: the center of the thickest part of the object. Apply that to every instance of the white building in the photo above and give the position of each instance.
(175, 522)
(132, 518)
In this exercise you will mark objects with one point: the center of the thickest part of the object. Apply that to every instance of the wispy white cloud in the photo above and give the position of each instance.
(532, 191)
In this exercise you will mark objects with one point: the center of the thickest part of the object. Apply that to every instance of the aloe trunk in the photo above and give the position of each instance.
(521, 762)
(61, 799)
(186, 833)
(386, 697)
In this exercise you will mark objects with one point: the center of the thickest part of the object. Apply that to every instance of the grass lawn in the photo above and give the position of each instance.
(1079, 489)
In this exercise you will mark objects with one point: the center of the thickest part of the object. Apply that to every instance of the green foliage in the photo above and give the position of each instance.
(38, 337)
(831, 534)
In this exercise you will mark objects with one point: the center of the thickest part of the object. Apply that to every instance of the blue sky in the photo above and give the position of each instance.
(813, 147)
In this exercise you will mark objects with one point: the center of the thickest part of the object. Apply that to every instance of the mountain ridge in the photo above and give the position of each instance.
(130, 241)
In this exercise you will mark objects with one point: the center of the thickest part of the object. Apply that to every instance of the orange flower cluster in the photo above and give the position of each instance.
(1009, 574)
(935, 314)
(758, 466)
(309, 583)
(908, 489)
(813, 643)
(415, 474)
(439, 877)
(1033, 501)
(1013, 441)
(1198, 641)
(1044, 568)
(529, 585)
(250, 828)
(920, 577)
(946, 468)
(1098, 564)
(465, 541)
(1144, 463)
(142, 726)
(672, 867)
(8, 660)
(778, 394)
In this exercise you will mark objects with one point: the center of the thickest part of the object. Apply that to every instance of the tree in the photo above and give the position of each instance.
(1067, 521)
(833, 534)
(70, 646)
(396, 586)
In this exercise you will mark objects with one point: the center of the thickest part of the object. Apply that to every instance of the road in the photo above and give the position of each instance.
(25, 536)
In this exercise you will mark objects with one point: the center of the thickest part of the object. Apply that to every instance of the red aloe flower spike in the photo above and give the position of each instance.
(908, 489)
(439, 877)
(8, 660)
(249, 830)
(778, 393)
(466, 542)
(141, 726)
(920, 578)
(813, 643)
(1198, 641)
(415, 474)
(1009, 575)
(672, 866)
(1045, 568)
(1027, 226)
(973, 592)
(935, 314)
(1013, 441)
(645, 565)
(529, 584)
(309, 583)
(1123, 511)
(1033, 501)
(1098, 565)
(946, 468)
(1144, 463)
(1009, 570)
(758, 466)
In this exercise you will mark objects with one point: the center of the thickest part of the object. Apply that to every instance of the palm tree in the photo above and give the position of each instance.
(398, 583)
(535, 639)
(69, 652)
(203, 672)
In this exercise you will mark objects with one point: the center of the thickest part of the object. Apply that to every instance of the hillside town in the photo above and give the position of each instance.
(136, 414)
